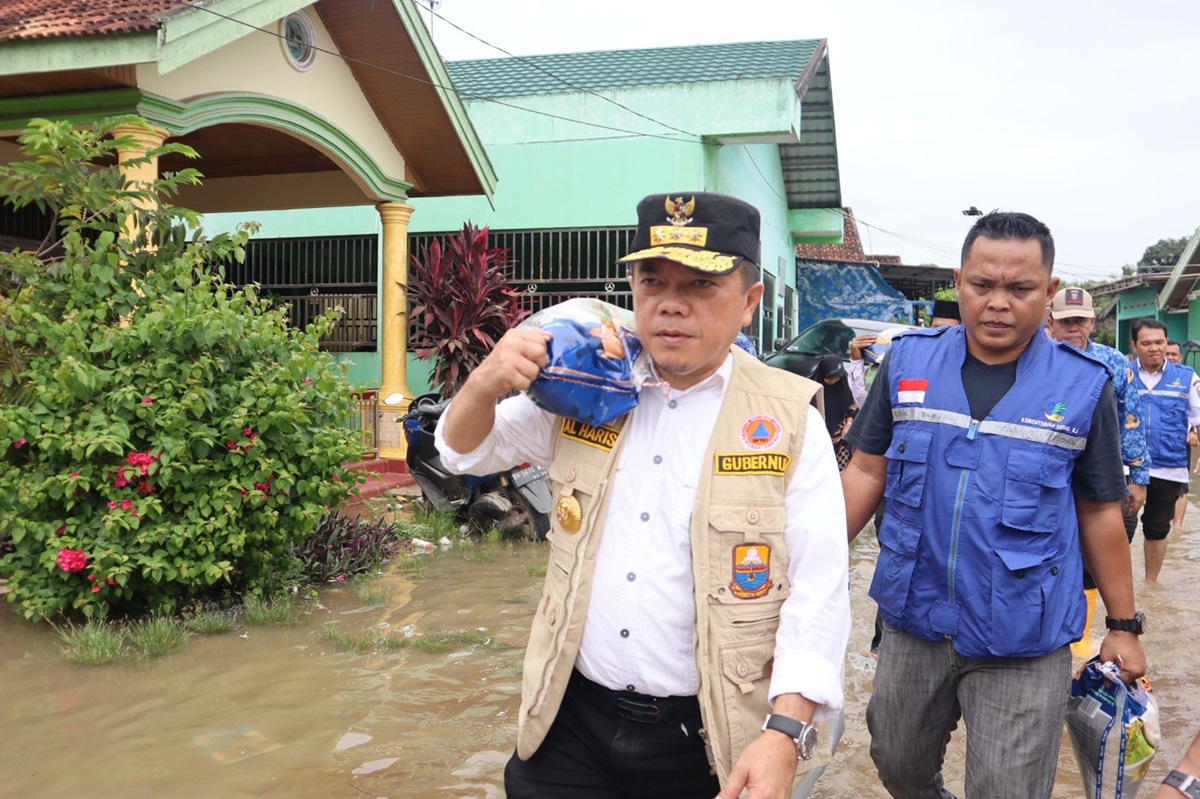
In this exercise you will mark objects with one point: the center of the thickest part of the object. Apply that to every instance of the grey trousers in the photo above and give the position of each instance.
(1013, 709)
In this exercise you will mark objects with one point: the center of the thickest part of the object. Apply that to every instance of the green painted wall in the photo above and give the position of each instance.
(1193, 333)
(1177, 326)
(568, 185)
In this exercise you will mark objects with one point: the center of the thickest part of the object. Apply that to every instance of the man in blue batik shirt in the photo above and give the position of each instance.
(1072, 321)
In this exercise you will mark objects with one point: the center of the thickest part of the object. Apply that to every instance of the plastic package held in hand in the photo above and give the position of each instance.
(592, 374)
(1114, 730)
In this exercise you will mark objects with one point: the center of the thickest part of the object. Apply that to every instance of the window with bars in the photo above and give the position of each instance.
(551, 266)
(312, 275)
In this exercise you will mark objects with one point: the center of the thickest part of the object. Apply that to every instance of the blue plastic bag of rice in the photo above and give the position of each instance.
(590, 374)
(1114, 730)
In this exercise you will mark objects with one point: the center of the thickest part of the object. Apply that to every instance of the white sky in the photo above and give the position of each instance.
(1083, 114)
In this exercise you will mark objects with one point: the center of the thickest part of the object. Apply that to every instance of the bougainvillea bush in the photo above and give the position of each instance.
(175, 435)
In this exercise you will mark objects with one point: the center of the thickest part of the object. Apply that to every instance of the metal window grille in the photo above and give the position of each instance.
(550, 266)
(313, 275)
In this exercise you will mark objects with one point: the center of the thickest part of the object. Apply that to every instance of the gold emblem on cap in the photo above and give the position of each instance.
(569, 514)
(679, 213)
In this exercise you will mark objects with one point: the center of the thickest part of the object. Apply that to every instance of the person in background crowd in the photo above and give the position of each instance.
(1072, 321)
(1170, 393)
(1000, 483)
(696, 610)
(1175, 355)
(840, 407)
(945, 314)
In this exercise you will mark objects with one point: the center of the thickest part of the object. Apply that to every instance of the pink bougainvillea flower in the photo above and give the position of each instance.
(112, 505)
(61, 530)
(249, 432)
(20, 442)
(71, 560)
(96, 588)
(92, 578)
(148, 401)
(308, 381)
(231, 444)
(127, 504)
(74, 474)
(145, 487)
(109, 581)
(341, 578)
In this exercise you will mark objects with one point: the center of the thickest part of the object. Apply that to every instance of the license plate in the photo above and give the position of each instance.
(527, 475)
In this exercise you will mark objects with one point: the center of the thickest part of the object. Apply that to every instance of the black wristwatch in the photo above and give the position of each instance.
(1135, 625)
(1186, 784)
(803, 734)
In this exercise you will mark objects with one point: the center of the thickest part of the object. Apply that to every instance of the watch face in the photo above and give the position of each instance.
(807, 743)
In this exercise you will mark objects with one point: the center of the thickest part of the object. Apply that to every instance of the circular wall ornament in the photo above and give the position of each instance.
(299, 39)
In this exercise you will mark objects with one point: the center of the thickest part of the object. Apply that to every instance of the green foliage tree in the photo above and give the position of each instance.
(1162, 255)
(178, 436)
(461, 303)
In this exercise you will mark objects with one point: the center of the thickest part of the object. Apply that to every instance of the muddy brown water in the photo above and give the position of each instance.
(278, 712)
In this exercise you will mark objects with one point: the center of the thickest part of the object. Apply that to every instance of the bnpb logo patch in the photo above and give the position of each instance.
(761, 432)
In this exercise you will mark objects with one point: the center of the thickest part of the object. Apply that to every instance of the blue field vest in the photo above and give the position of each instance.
(1166, 410)
(980, 541)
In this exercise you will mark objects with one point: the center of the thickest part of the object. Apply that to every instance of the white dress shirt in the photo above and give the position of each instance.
(639, 633)
(1177, 474)
(856, 376)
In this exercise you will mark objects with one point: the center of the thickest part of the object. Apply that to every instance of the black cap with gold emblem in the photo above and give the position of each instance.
(711, 233)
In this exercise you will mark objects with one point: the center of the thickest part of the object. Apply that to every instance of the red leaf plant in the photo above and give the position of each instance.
(461, 303)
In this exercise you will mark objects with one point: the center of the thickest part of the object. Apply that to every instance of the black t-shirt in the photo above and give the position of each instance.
(1097, 475)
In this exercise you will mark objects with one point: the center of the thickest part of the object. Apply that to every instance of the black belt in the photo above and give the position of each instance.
(637, 707)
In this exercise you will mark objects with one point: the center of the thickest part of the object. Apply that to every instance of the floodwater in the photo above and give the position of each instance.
(278, 712)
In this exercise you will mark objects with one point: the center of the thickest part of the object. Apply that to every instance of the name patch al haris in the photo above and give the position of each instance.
(604, 438)
(752, 463)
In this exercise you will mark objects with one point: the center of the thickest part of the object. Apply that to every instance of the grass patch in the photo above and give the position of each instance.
(430, 524)
(536, 569)
(155, 636)
(281, 609)
(492, 535)
(478, 555)
(372, 593)
(210, 622)
(515, 598)
(413, 565)
(445, 640)
(363, 642)
(93, 644)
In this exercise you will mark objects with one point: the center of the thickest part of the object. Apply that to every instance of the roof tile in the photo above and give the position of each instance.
(42, 19)
(602, 70)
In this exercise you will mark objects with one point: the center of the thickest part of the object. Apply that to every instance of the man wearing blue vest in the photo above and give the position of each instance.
(1171, 395)
(999, 453)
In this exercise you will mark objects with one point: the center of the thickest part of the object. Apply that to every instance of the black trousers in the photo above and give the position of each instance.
(1158, 511)
(607, 744)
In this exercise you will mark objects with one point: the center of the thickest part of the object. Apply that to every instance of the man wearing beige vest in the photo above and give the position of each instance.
(691, 633)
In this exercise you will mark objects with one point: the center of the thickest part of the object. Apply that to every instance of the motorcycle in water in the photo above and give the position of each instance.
(517, 501)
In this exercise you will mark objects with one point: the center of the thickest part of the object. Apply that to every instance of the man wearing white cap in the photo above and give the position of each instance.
(1072, 320)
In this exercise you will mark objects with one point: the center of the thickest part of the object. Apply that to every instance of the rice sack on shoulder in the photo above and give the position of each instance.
(590, 374)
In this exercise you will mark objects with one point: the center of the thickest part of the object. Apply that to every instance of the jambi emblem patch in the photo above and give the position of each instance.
(761, 432)
(751, 571)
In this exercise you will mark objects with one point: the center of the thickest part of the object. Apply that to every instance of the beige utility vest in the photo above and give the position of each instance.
(739, 558)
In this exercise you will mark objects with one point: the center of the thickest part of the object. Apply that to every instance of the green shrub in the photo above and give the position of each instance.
(177, 436)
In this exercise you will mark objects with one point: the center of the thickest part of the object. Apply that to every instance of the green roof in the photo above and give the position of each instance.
(621, 69)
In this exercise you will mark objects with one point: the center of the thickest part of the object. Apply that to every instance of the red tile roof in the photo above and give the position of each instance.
(43, 19)
(850, 250)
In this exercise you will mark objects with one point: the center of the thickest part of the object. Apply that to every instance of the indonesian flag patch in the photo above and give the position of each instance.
(912, 391)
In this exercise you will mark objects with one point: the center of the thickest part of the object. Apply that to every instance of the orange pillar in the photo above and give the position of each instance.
(394, 393)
